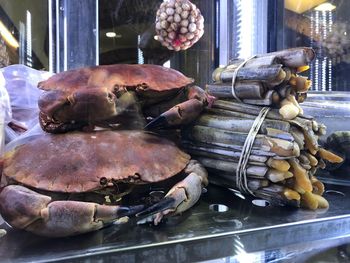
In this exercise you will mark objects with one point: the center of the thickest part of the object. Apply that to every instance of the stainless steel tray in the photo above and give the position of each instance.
(206, 232)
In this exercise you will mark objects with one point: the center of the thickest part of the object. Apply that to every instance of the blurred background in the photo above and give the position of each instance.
(57, 35)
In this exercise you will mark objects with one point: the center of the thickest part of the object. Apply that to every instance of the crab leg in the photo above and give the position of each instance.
(181, 196)
(185, 112)
(25, 209)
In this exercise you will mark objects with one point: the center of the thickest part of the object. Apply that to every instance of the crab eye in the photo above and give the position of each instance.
(103, 181)
(110, 96)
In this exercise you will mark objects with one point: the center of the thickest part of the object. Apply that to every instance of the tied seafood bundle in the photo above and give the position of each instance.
(270, 79)
(270, 152)
(281, 166)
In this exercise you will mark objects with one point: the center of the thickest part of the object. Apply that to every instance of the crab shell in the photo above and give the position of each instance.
(68, 184)
(91, 94)
(85, 162)
(339, 142)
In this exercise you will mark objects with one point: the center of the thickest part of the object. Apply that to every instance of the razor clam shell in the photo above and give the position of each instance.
(263, 74)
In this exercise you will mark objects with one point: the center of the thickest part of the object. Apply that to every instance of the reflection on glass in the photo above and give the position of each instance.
(126, 35)
(323, 25)
(249, 27)
(126, 32)
(23, 27)
(28, 52)
(242, 28)
(7, 36)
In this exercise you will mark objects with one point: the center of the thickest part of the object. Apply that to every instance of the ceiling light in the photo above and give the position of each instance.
(7, 36)
(301, 6)
(111, 34)
(325, 7)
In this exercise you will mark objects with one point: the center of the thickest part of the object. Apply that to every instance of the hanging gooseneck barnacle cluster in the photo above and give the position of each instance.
(179, 24)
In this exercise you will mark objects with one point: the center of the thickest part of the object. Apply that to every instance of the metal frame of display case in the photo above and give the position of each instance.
(221, 225)
(67, 52)
(275, 32)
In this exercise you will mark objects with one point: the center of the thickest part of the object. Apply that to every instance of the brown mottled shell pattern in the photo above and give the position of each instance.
(76, 162)
(155, 77)
(339, 142)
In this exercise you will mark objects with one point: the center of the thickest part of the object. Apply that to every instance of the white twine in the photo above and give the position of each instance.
(241, 172)
(234, 76)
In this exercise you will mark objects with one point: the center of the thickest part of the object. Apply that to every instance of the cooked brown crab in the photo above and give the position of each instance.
(57, 185)
(105, 95)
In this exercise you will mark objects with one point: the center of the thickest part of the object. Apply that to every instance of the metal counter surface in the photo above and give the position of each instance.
(200, 234)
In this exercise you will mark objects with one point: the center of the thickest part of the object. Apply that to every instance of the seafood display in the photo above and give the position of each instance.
(270, 79)
(284, 158)
(179, 24)
(119, 94)
(77, 182)
(97, 164)
(270, 152)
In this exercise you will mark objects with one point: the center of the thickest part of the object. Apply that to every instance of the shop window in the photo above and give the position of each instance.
(323, 25)
(24, 31)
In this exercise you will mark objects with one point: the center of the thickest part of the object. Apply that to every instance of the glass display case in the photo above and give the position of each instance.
(59, 35)
(24, 31)
(323, 27)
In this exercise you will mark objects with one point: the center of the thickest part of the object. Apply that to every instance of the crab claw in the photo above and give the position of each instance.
(164, 204)
(38, 213)
(157, 123)
(129, 210)
(185, 112)
(180, 114)
(181, 196)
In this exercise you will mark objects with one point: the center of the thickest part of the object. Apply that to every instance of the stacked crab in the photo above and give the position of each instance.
(68, 182)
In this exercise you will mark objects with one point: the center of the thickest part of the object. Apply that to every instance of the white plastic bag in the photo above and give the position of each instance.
(21, 84)
(5, 112)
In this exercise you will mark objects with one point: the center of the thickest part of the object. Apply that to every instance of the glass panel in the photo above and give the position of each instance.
(249, 26)
(122, 26)
(74, 34)
(243, 29)
(323, 25)
(24, 29)
(127, 30)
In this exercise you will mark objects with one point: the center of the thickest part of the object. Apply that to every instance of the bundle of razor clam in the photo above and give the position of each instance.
(270, 79)
(282, 164)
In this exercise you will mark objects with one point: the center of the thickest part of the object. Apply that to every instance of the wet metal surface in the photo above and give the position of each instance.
(221, 225)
